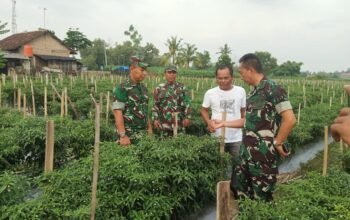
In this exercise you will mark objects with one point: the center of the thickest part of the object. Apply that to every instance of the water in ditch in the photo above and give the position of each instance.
(301, 156)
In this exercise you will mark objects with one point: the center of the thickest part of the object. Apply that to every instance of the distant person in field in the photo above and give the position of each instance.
(169, 98)
(130, 106)
(268, 122)
(341, 126)
(229, 98)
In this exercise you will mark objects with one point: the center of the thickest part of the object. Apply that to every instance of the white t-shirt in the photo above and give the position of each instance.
(216, 99)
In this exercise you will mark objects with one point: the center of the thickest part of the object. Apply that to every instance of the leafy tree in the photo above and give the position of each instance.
(2, 28)
(187, 54)
(225, 50)
(121, 52)
(93, 57)
(174, 46)
(2, 31)
(268, 62)
(224, 58)
(76, 40)
(289, 68)
(135, 38)
(150, 54)
(202, 60)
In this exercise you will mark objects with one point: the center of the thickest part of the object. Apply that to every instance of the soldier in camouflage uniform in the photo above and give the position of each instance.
(269, 120)
(171, 97)
(130, 106)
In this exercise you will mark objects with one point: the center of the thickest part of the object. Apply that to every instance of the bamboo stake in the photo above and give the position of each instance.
(62, 104)
(192, 94)
(223, 131)
(175, 114)
(101, 102)
(33, 97)
(0, 94)
(3, 79)
(107, 107)
(49, 151)
(96, 162)
(45, 102)
(19, 99)
(325, 152)
(299, 113)
(65, 102)
(24, 105)
(341, 146)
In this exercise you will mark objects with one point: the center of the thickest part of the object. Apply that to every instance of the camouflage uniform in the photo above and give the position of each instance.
(132, 99)
(255, 174)
(170, 98)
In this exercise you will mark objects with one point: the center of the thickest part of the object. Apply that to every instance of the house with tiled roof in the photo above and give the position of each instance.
(42, 48)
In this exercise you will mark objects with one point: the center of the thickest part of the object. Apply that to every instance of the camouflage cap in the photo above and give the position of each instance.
(135, 60)
(170, 68)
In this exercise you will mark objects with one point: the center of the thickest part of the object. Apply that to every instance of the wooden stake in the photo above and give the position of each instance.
(49, 150)
(19, 99)
(96, 162)
(0, 94)
(62, 104)
(24, 105)
(65, 102)
(325, 152)
(341, 146)
(176, 124)
(45, 102)
(223, 131)
(107, 107)
(226, 206)
(101, 102)
(33, 97)
(299, 113)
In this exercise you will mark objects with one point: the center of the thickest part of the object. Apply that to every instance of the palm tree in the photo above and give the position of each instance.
(174, 46)
(187, 54)
(225, 50)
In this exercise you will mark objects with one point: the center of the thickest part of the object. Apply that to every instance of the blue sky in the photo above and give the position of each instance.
(316, 33)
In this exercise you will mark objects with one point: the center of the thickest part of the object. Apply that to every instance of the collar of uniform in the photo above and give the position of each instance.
(261, 83)
(171, 84)
(130, 82)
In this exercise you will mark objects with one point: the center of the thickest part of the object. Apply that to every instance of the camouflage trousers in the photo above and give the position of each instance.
(254, 179)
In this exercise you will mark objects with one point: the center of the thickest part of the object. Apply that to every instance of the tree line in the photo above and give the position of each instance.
(97, 54)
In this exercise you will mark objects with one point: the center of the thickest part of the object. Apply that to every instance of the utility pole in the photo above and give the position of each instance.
(14, 24)
(44, 18)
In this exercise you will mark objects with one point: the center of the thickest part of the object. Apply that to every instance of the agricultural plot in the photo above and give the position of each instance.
(153, 180)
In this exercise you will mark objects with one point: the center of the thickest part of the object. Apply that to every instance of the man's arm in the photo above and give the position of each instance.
(119, 123)
(186, 108)
(155, 110)
(205, 116)
(287, 124)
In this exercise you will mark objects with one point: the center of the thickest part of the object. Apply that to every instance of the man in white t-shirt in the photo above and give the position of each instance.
(228, 98)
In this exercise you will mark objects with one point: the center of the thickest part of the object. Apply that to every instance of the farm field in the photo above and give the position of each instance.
(165, 179)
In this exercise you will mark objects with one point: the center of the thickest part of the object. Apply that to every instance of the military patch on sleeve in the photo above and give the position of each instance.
(282, 106)
(118, 105)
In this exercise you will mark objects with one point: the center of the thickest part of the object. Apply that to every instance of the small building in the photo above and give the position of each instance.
(44, 50)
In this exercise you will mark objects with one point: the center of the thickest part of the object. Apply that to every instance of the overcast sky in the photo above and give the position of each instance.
(315, 32)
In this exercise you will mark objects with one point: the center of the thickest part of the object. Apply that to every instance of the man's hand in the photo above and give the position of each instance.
(124, 141)
(340, 128)
(281, 152)
(186, 122)
(211, 126)
(218, 123)
(156, 124)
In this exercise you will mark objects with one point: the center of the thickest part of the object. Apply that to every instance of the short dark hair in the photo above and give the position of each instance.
(224, 66)
(252, 61)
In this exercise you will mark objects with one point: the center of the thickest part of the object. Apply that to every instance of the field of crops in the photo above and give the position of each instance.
(155, 179)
